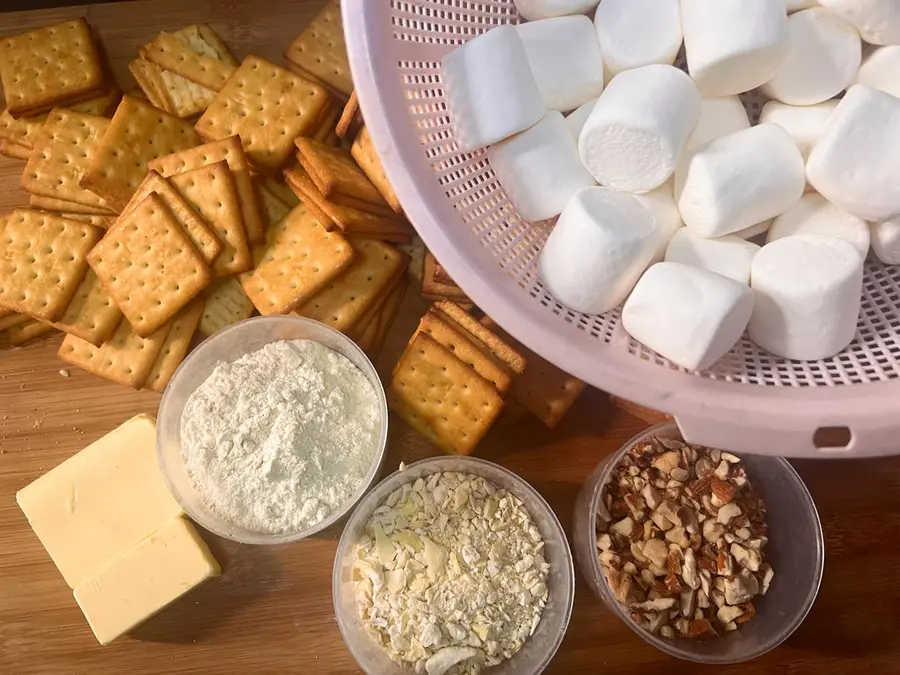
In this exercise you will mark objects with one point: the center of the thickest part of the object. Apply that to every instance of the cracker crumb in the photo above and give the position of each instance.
(63, 372)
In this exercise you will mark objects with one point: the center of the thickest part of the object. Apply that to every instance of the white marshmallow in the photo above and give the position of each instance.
(577, 119)
(639, 127)
(539, 168)
(565, 59)
(814, 214)
(635, 33)
(807, 291)
(805, 124)
(733, 46)
(881, 70)
(661, 203)
(878, 21)
(797, 5)
(729, 256)
(740, 180)
(603, 242)
(822, 61)
(855, 165)
(689, 315)
(532, 10)
(753, 231)
(718, 117)
(490, 89)
(886, 241)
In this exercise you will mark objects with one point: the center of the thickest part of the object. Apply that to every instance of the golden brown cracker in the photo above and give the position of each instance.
(28, 331)
(43, 261)
(335, 172)
(91, 315)
(63, 151)
(212, 192)
(149, 266)
(344, 301)
(126, 357)
(267, 106)
(12, 320)
(433, 288)
(200, 234)
(149, 78)
(321, 51)
(226, 304)
(47, 65)
(97, 221)
(300, 259)
(466, 350)
(503, 351)
(138, 134)
(363, 151)
(441, 397)
(173, 52)
(350, 121)
(170, 91)
(230, 150)
(175, 348)
(64, 206)
(388, 315)
(14, 150)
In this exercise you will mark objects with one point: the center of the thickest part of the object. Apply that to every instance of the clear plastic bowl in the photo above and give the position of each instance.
(227, 346)
(796, 551)
(540, 648)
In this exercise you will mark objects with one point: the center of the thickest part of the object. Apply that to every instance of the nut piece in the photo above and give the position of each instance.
(666, 462)
(727, 614)
(727, 512)
(656, 551)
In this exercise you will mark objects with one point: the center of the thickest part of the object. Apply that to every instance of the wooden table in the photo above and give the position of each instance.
(271, 611)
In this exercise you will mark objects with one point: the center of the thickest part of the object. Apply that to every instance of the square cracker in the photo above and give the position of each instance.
(28, 331)
(43, 261)
(149, 266)
(63, 151)
(268, 107)
(226, 304)
(194, 227)
(91, 315)
(466, 350)
(545, 390)
(148, 77)
(503, 351)
(335, 172)
(342, 303)
(64, 206)
(212, 192)
(186, 53)
(321, 51)
(363, 151)
(175, 348)
(170, 91)
(441, 397)
(138, 134)
(230, 150)
(14, 150)
(47, 65)
(300, 259)
(126, 357)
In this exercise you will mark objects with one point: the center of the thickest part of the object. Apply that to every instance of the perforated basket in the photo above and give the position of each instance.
(749, 402)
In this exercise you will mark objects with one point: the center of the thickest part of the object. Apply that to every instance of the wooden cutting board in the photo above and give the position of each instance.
(271, 610)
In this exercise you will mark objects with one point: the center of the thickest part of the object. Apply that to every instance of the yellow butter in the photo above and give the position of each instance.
(153, 574)
(102, 502)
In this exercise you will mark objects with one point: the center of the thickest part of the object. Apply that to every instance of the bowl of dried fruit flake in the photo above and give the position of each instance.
(708, 556)
(453, 566)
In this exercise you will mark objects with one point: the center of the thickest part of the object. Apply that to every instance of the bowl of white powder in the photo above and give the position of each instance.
(272, 430)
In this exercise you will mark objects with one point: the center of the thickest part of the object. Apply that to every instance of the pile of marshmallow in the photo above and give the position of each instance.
(659, 179)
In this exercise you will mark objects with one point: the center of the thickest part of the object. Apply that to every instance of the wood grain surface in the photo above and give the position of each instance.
(271, 610)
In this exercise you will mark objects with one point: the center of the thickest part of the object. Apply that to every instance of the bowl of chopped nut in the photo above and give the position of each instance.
(708, 556)
(453, 565)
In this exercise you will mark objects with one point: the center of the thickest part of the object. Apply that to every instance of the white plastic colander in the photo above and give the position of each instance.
(751, 401)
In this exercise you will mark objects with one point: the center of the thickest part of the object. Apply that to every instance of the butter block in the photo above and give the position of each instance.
(144, 580)
(102, 502)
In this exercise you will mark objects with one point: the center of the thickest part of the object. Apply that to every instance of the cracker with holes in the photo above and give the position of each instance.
(126, 357)
(149, 266)
(441, 397)
(194, 53)
(170, 91)
(230, 150)
(300, 259)
(50, 65)
(138, 134)
(437, 284)
(503, 351)
(43, 260)
(91, 315)
(200, 234)
(338, 177)
(320, 51)
(375, 269)
(363, 151)
(32, 329)
(225, 304)
(175, 348)
(212, 192)
(268, 107)
(63, 151)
